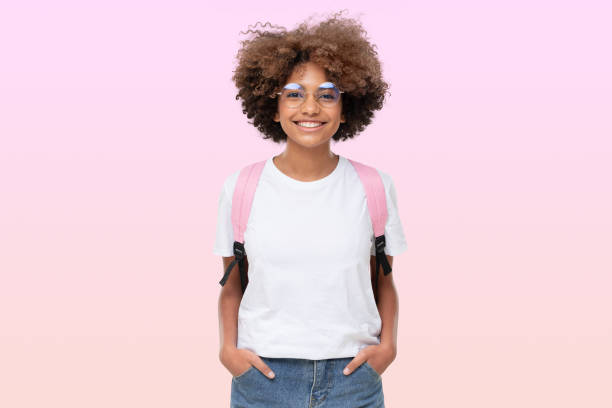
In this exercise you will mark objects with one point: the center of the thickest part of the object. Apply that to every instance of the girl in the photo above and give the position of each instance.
(308, 331)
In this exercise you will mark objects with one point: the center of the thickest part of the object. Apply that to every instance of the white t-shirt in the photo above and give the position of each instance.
(308, 245)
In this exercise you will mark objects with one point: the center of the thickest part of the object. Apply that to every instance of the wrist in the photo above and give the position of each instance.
(390, 348)
(226, 348)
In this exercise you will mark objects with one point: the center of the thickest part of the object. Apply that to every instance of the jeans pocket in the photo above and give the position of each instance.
(372, 370)
(239, 376)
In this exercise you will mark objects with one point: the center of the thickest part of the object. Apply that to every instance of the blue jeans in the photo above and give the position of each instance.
(301, 383)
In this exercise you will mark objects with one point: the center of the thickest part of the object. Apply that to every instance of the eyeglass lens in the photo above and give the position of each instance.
(327, 94)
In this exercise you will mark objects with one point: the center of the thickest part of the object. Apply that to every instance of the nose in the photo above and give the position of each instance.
(310, 104)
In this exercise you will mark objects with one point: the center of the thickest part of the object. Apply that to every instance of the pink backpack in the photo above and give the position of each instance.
(245, 192)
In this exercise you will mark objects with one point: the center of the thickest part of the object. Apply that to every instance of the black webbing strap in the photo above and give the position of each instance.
(381, 259)
(238, 258)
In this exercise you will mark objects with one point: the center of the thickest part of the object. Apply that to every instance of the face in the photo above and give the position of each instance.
(310, 76)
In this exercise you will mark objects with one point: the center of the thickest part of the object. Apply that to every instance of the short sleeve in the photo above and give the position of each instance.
(224, 239)
(395, 241)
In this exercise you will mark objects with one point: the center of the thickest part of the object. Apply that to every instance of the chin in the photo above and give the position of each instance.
(309, 140)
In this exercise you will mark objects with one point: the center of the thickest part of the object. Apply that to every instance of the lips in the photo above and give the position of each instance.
(313, 121)
(310, 129)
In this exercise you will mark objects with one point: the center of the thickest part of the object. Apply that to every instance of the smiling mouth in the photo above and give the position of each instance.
(321, 124)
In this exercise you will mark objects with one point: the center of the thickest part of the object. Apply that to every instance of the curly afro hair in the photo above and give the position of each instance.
(338, 45)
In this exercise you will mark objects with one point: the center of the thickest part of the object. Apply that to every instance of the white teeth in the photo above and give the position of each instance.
(310, 124)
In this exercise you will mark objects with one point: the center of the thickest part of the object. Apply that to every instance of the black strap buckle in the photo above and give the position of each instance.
(239, 250)
(380, 243)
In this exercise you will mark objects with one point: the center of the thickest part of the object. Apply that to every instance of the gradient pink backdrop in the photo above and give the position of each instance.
(118, 126)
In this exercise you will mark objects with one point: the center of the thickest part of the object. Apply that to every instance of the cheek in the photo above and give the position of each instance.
(284, 115)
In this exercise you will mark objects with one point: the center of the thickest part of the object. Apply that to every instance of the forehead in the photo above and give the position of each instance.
(308, 74)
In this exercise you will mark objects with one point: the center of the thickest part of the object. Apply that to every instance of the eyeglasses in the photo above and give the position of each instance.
(293, 95)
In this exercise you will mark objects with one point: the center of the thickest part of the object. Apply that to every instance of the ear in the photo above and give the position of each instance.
(276, 117)
(342, 120)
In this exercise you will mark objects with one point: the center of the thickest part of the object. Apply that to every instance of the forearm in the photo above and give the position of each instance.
(388, 308)
(229, 304)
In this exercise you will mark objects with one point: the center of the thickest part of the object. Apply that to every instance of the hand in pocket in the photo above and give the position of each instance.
(239, 361)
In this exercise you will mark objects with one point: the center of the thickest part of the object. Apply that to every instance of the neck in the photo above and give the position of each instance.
(306, 164)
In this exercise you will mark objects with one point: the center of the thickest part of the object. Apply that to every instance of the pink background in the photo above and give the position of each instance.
(118, 126)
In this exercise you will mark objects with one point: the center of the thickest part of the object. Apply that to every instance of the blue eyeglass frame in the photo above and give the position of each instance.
(298, 86)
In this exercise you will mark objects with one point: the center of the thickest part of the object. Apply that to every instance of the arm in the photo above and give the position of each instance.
(229, 302)
(237, 361)
(387, 301)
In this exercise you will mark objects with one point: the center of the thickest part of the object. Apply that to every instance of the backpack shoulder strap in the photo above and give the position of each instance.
(242, 199)
(377, 206)
(375, 194)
